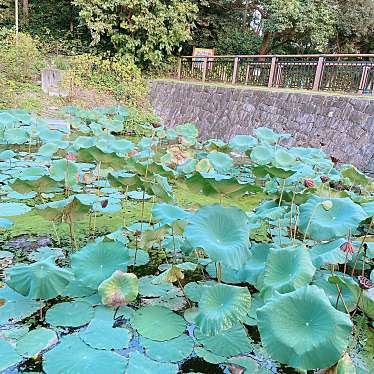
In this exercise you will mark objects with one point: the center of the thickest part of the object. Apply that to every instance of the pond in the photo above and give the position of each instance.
(158, 253)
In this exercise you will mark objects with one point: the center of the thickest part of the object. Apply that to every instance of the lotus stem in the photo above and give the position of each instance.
(310, 220)
(358, 302)
(291, 211)
(174, 248)
(219, 271)
(150, 215)
(282, 192)
(296, 224)
(56, 233)
(361, 245)
(98, 196)
(185, 296)
(143, 200)
(41, 310)
(125, 206)
(339, 294)
(136, 250)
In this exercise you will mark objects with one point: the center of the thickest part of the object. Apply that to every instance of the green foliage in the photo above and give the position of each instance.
(116, 76)
(148, 30)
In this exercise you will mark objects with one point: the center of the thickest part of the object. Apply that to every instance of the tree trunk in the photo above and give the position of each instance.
(25, 8)
(264, 48)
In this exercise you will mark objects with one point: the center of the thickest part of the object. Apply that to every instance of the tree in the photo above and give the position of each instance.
(149, 30)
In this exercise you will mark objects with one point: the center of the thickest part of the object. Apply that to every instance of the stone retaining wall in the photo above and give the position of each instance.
(342, 126)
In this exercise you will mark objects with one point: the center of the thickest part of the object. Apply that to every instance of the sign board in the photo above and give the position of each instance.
(202, 52)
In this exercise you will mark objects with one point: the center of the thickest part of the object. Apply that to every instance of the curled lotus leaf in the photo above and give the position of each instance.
(242, 143)
(40, 280)
(98, 261)
(303, 330)
(119, 289)
(321, 224)
(287, 269)
(222, 306)
(262, 154)
(221, 162)
(222, 232)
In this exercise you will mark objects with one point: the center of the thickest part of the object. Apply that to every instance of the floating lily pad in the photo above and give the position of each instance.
(173, 350)
(100, 334)
(8, 355)
(139, 363)
(228, 343)
(72, 356)
(13, 209)
(36, 341)
(146, 318)
(72, 314)
(209, 356)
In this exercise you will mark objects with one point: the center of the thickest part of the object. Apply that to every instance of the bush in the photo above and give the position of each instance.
(120, 78)
(22, 61)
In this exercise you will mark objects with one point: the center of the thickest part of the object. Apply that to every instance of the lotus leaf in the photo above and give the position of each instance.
(249, 364)
(8, 355)
(161, 188)
(140, 363)
(303, 330)
(65, 170)
(48, 150)
(72, 314)
(36, 341)
(119, 289)
(13, 209)
(77, 289)
(167, 214)
(222, 306)
(30, 184)
(146, 318)
(5, 223)
(284, 159)
(194, 290)
(148, 289)
(222, 232)
(287, 269)
(328, 253)
(355, 176)
(16, 307)
(97, 261)
(142, 257)
(72, 356)
(369, 208)
(322, 224)
(16, 136)
(242, 143)
(268, 136)
(220, 161)
(173, 350)
(43, 253)
(100, 334)
(262, 154)
(209, 356)
(40, 280)
(204, 166)
(321, 279)
(228, 343)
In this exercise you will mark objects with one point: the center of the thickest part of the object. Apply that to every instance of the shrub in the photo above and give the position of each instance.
(120, 78)
(22, 61)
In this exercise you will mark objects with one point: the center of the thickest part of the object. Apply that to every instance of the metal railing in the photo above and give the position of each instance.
(351, 73)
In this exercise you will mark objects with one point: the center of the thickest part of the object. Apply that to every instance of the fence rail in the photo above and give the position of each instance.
(351, 73)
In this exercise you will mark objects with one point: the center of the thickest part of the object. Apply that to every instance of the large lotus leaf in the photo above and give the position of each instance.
(98, 261)
(72, 356)
(321, 279)
(16, 136)
(326, 224)
(72, 314)
(100, 334)
(369, 208)
(355, 176)
(284, 159)
(13, 209)
(228, 343)
(119, 289)
(302, 329)
(220, 161)
(139, 363)
(173, 350)
(287, 269)
(36, 341)
(65, 170)
(7, 155)
(146, 318)
(40, 280)
(16, 307)
(168, 214)
(328, 253)
(8, 355)
(222, 232)
(222, 306)
(262, 154)
(42, 253)
(242, 143)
